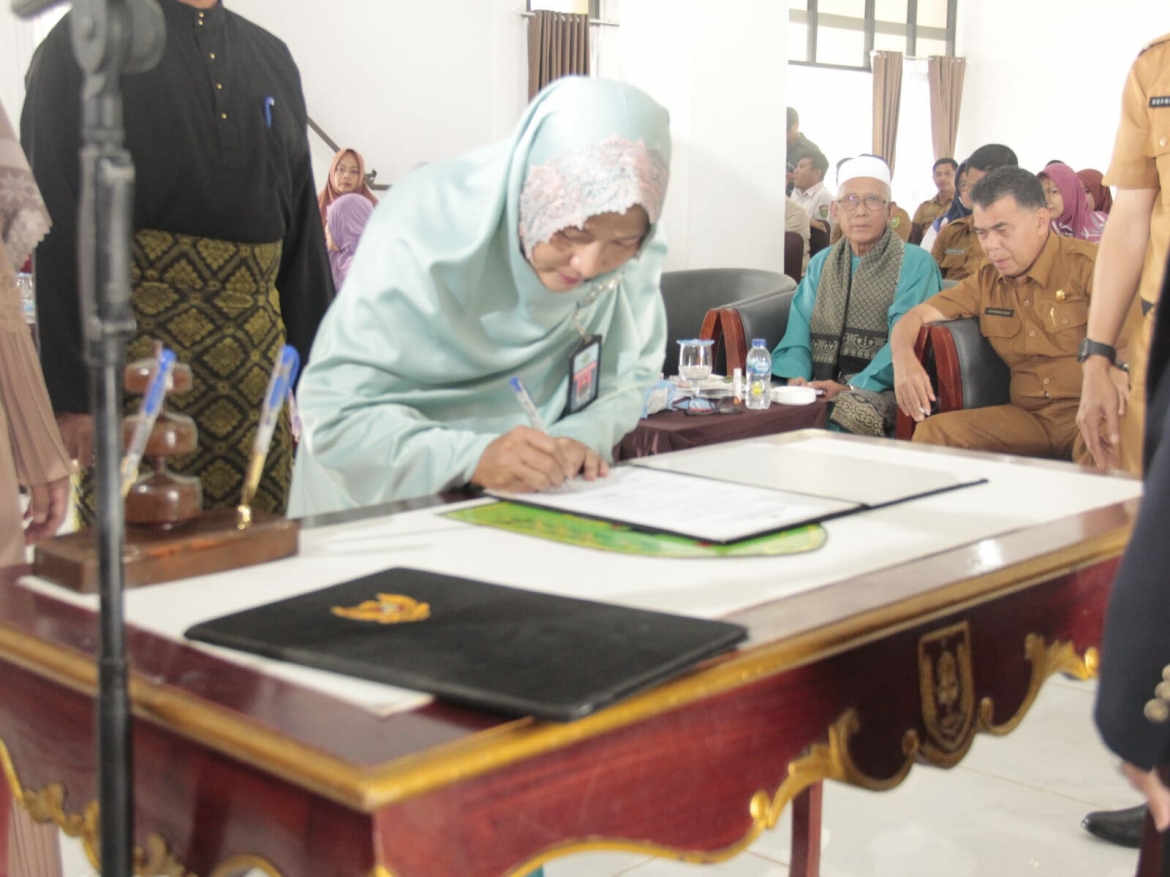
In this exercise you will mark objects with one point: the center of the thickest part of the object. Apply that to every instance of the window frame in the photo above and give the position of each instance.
(813, 20)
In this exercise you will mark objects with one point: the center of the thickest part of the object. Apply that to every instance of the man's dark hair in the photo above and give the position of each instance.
(818, 161)
(793, 117)
(949, 161)
(991, 156)
(1020, 184)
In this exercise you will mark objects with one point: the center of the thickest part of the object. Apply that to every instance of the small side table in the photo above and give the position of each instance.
(676, 430)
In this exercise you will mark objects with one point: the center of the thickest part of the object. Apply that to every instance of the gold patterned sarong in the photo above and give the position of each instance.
(215, 304)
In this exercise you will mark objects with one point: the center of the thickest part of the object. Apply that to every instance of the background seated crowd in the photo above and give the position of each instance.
(1016, 250)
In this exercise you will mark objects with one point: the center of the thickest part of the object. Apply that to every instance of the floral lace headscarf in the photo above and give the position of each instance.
(609, 177)
(23, 217)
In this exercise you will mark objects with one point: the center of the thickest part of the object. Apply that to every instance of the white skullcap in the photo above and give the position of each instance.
(864, 166)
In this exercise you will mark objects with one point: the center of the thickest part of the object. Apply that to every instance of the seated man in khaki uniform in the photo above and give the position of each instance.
(1031, 296)
(928, 211)
(956, 249)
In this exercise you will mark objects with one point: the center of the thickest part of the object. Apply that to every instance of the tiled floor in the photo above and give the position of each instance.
(1013, 807)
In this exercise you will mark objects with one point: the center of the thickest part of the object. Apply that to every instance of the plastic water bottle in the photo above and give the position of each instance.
(759, 375)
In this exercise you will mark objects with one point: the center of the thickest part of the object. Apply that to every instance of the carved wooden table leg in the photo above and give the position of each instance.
(1153, 861)
(806, 832)
(33, 848)
(6, 805)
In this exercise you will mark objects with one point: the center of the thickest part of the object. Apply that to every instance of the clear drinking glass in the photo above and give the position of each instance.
(694, 363)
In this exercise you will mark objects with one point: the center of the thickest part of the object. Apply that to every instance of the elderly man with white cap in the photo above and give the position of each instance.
(847, 304)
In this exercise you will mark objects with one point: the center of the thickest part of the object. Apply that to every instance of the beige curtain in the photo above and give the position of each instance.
(558, 45)
(887, 97)
(946, 96)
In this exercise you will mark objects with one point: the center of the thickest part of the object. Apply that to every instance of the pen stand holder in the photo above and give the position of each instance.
(168, 535)
(160, 499)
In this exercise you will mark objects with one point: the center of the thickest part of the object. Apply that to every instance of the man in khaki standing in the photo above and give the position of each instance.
(1130, 262)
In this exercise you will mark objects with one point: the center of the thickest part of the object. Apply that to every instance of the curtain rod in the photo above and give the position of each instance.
(596, 21)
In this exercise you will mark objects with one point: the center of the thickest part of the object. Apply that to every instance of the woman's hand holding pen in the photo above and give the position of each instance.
(525, 460)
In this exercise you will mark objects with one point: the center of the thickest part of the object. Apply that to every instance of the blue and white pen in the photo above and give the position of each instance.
(152, 404)
(284, 375)
(525, 400)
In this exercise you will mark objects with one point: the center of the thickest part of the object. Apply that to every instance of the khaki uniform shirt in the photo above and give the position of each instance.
(957, 250)
(1141, 152)
(929, 211)
(1035, 322)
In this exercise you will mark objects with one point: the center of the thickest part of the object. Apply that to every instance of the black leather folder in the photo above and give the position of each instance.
(491, 647)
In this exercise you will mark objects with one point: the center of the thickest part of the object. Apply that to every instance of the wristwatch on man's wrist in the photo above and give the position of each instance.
(1096, 348)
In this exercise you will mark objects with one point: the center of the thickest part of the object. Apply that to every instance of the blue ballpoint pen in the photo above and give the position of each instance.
(525, 400)
(152, 404)
(284, 374)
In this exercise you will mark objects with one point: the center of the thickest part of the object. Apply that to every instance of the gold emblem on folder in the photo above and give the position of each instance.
(387, 609)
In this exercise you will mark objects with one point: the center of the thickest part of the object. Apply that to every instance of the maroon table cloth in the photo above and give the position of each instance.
(676, 430)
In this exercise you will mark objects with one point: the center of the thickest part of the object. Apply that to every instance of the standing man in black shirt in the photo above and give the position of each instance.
(229, 256)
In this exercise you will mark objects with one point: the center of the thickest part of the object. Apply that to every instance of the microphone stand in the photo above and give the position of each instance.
(110, 37)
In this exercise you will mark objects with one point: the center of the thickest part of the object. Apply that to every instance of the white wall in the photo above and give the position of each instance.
(403, 82)
(723, 84)
(836, 111)
(1045, 78)
(18, 40)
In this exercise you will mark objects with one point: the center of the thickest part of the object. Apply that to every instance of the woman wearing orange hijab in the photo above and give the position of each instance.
(347, 174)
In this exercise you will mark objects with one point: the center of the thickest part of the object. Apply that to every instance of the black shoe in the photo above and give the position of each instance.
(1121, 827)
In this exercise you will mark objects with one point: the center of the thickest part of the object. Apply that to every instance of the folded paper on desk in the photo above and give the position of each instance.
(811, 473)
(698, 508)
(496, 648)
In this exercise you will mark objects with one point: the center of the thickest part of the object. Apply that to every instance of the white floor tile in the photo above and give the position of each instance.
(1056, 748)
(745, 865)
(593, 865)
(1014, 806)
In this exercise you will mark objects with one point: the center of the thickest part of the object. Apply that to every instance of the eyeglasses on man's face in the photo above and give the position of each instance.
(850, 203)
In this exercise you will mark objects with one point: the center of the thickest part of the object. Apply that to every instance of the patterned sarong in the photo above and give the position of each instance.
(215, 304)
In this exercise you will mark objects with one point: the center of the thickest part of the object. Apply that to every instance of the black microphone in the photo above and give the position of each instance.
(32, 8)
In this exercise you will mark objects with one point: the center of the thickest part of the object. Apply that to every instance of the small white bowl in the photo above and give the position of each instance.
(794, 395)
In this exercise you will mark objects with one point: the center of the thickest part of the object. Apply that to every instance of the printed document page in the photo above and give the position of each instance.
(669, 502)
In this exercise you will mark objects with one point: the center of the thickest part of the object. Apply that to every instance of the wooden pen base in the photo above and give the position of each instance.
(212, 543)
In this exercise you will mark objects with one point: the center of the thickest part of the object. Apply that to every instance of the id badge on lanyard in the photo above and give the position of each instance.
(584, 373)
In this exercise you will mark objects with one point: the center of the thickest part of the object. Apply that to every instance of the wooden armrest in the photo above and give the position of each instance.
(904, 425)
(712, 330)
(970, 372)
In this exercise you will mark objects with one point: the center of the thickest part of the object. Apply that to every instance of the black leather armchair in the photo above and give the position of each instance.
(964, 368)
(763, 316)
(689, 295)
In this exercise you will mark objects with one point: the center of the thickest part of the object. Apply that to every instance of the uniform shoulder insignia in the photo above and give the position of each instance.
(895, 221)
(824, 211)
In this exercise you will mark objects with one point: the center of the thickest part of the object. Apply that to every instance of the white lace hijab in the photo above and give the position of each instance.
(23, 220)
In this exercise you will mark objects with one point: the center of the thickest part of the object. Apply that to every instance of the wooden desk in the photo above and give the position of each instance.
(855, 681)
(669, 431)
